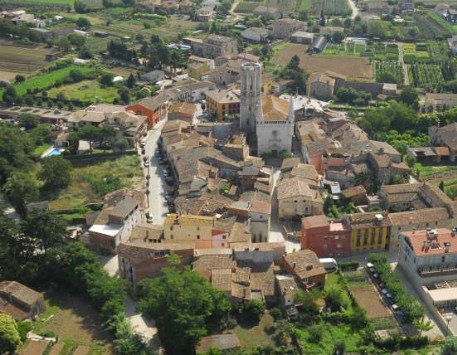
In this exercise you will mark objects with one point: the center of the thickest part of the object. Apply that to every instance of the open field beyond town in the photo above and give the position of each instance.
(350, 66)
(86, 91)
(18, 59)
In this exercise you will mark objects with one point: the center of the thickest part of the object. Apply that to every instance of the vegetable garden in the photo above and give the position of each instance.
(388, 71)
(427, 76)
(336, 8)
(413, 53)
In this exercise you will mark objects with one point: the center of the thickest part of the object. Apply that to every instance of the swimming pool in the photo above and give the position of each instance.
(52, 152)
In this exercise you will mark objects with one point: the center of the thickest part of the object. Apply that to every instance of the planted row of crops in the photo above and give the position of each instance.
(388, 71)
(427, 76)
(336, 8)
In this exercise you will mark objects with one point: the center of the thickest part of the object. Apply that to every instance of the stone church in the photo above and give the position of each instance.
(268, 121)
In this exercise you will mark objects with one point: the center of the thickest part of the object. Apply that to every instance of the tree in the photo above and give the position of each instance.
(19, 78)
(181, 302)
(441, 185)
(283, 332)
(338, 37)
(410, 161)
(106, 135)
(47, 230)
(81, 7)
(73, 143)
(83, 22)
(10, 339)
(121, 144)
(423, 325)
(55, 172)
(450, 346)
(90, 133)
(28, 121)
(131, 81)
(106, 79)
(128, 2)
(124, 94)
(307, 301)
(254, 310)
(75, 39)
(410, 97)
(21, 188)
(334, 299)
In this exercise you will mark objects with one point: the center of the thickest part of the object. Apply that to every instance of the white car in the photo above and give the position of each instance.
(146, 164)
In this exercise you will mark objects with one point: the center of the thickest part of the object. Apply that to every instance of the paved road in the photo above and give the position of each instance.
(275, 234)
(156, 199)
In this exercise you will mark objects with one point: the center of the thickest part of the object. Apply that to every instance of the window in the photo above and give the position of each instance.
(224, 237)
(171, 236)
(379, 236)
(198, 228)
(443, 259)
(358, 240)
(198, 236)
(171, 228)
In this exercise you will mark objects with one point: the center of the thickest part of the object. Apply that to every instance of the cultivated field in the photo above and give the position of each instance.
(345, 65)
(16, 59)
(368, 299)
(86, 91)
(35, 347)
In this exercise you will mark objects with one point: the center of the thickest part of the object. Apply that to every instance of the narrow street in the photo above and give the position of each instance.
(276, 234)
(156, 198)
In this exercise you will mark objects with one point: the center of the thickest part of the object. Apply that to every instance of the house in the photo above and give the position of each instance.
(302, 37)
(307, 173)
(141, 260)
(219, 341)
(183, 111)
(369, 231)
(215, 46)
(305, 266)
(285, 27)
(445, 136)
(429, 255)
(287, 287)
(204, 14)
(356, 195)
(321, 86)
(296, 198)
(439, 102)
(154, 108)
(326, 238)
(20, 301)
(223, 102)
(114, 225)
(255, 34)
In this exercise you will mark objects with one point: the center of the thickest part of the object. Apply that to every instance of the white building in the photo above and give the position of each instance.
(268, 121)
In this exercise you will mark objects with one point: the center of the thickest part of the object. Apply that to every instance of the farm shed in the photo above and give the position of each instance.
(319, 44)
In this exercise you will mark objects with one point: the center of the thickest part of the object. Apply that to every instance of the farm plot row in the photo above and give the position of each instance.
(388, 71)
(429, 28)
(413, 53)
(428, 76)
(247, 6)
(336, 8)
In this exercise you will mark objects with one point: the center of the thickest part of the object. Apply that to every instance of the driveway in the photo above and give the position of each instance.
(141, 326)
(156, 199)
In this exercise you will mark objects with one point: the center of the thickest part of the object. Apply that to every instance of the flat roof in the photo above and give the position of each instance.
(443, 294)
(106, 229)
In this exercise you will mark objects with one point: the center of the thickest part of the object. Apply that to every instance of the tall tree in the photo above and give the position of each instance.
(182, 302)
(89, 133)
(10, 339)
(46, 229)
(21, 188)
(73, 143)
(410, 97)
(55, 172)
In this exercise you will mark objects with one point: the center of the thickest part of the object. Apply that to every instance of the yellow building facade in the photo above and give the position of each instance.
(369, 231)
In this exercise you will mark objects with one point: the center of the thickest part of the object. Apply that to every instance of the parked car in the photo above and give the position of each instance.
(146, 164)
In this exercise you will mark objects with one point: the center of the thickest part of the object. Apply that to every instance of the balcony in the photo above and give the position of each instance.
(437, 271)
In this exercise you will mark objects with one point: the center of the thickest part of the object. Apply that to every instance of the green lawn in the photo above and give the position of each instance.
(41, 149)
(254, 336)
(304, 5)
(81, 192)
(428, 170)
(44, 81)
(86, 90)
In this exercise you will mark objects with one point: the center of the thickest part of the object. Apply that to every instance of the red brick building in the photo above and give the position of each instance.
(326, 239)
(154, 108)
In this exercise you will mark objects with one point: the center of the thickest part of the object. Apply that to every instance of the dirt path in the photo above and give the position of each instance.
(354, 8)
(403, 65)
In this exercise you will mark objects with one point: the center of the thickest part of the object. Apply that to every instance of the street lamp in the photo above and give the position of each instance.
(448, 319)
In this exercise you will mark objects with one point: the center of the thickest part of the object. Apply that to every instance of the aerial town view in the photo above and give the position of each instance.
(228, 177)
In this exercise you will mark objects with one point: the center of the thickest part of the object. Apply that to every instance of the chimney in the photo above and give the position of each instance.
(294, 264)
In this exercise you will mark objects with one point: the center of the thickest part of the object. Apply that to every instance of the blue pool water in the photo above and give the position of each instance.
(54, 151)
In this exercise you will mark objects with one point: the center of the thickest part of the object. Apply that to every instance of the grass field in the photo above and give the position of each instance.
(75, 322)
(44, 81)
(86, 90)
(254, 336)
(17, 59)
(350, 66)
(81, 192)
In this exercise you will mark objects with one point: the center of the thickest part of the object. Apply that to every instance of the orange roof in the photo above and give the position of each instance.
(422, 245)
(183, 108)
(441, 151)
(274, 108)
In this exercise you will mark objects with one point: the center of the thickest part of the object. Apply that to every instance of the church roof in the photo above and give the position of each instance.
(274, 108)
